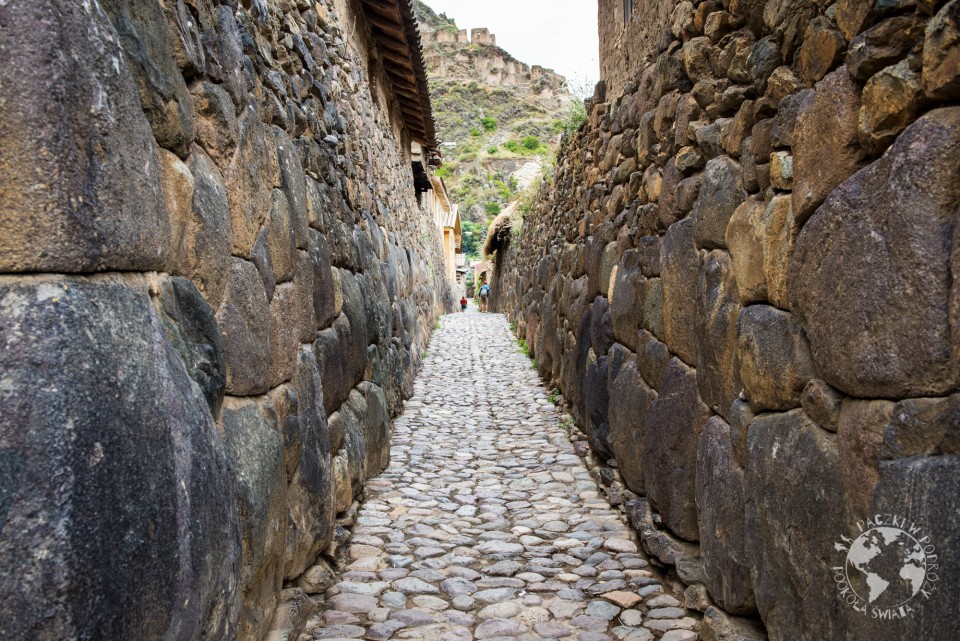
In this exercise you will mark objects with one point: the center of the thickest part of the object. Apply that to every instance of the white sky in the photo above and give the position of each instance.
(557, 34)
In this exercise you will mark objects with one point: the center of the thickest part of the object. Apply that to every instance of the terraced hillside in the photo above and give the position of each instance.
(499, 119)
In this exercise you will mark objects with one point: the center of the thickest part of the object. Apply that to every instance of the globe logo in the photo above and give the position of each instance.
(886, 567)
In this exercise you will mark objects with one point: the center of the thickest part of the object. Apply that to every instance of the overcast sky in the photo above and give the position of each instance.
(558, 34)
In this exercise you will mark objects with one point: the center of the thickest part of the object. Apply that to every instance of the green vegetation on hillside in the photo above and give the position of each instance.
(488, 130)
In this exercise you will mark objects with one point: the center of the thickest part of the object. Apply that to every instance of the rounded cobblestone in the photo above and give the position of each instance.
(486, 524)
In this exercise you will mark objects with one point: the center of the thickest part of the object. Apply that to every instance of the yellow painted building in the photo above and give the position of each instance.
(446, 216)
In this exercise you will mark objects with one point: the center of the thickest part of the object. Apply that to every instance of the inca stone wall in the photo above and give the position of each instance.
(216, 286)
(743, 277)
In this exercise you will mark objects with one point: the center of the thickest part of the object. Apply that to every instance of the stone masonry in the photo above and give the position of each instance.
(743, 278)
(216, 287)
(487, 525)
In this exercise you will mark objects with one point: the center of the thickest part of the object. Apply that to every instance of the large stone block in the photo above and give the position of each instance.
(825, 147)
(376, 429)
(874, 276)
(679, 270)
(280, 240)
(793, 484)
(355, 312)
(601, 328)
(626, 306)
(117, 498)
(191, 327)
(922, 492)
(294, 184)
(652, 358)
(332, 348)
(774, 355)
(324, 289)
(891, 100)
(148, 46)
(746, 236)
(310, 508)
(256, 453)
(629, 403)
(720, 495)
(882, 45)
(941, 53)
(671, 435)
(244, 320)
(721, 192)
(249, 178)
(216, 121)
(205, 248)
(818, 587)
(876, 431)
(73, 130)
(596, 400)
(718, 306)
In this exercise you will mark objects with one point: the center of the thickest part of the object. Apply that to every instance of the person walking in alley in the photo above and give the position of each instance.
(484, 297)
(463, 303)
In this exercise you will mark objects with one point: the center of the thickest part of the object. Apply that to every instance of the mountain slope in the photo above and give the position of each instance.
(498, 119)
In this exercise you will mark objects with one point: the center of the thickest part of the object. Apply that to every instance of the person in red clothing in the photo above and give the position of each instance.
(463, 304)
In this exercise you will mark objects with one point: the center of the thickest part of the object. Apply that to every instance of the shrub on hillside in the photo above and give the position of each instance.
(490, 124)
(531, 142)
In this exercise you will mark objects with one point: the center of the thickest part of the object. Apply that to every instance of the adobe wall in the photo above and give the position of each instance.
(216, 288)
(742, 277)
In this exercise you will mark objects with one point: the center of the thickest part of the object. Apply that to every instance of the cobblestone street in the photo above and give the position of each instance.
(487, 525)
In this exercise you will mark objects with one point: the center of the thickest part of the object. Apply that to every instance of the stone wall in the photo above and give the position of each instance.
(216, 286)
(743, 278)
(630, 42)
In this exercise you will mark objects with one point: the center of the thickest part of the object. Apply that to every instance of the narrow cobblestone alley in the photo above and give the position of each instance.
(487, 525)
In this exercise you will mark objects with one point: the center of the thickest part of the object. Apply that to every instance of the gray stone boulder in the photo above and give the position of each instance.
(310, 481)
(596, 399)
(825, 147)
(205, 256)
(355, 312)
(255, 448)
(148, 46)
(774, 356)
(671, 435)
(718, 306)
(93, 213)
(652, 358)
(626, 306)
(873, 277)
(794, 584)
(244, 321)
(116, 494)
(629, 403)
(376, 429)
(721, 192)
(720, 495)
(332, 350)
(679, 270)
(324, 308)
(191, 327)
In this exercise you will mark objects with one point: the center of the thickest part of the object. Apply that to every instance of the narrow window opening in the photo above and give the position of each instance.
(627, 10)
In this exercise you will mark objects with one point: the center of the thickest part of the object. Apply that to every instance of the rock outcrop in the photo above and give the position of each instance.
(216, 287)
(764, 202)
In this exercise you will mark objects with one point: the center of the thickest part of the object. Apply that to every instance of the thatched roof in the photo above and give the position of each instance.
(499, 229)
